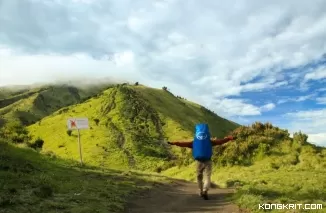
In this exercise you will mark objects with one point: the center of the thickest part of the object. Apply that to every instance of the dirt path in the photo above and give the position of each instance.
(181, 196)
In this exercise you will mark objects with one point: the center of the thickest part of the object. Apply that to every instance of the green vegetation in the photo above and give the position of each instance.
(30, 182)
(30, 105)
(265, 165)
(129, 127)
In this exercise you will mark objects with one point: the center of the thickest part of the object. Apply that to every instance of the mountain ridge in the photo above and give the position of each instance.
(131, 119)
(129, 127)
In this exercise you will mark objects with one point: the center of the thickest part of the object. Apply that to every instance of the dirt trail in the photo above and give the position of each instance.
(182, 196)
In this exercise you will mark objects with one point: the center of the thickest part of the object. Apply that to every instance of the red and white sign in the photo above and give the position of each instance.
(77, 123)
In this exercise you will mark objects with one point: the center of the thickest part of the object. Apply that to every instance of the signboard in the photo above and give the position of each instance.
(77, 123)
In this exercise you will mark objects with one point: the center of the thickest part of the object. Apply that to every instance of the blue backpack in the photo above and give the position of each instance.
(202, 146)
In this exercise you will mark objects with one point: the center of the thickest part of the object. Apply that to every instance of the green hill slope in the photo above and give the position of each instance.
(129, 127)
(30, 182)
(265, 165)
(30, 105)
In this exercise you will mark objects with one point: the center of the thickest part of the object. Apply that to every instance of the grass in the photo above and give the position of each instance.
(128, 128)
(30, 182)
(31, 105)
(287, 172)
(182, 114)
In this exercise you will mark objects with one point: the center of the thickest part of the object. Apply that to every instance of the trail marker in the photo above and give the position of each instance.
(77, 124)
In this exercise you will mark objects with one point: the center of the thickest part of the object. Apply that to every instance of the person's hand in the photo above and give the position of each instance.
(231, 137)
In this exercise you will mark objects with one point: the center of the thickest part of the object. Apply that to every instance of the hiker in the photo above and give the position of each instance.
(202, 152)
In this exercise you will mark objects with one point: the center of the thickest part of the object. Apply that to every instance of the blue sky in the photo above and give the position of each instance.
(245, 60)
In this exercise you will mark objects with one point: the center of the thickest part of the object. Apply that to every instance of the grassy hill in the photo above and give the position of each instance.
(129, 128)
(29, 105)
(30, 182)
(265, 165)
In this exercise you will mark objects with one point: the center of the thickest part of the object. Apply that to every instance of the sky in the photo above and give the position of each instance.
(245, 60)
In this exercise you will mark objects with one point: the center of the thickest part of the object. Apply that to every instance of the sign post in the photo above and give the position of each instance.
(77, 124)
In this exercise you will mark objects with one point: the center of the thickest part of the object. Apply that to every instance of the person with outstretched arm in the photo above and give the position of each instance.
(202, 150)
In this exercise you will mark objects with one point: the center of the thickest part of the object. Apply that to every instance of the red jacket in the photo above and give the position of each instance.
(188, 144)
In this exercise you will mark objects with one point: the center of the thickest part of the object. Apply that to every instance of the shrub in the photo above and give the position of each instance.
(96, 120)
(14, 132)
(38, 144)
(69, 132)
(300, 138)
(43, 191)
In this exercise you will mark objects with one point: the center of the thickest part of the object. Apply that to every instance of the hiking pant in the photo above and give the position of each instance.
(204, 172)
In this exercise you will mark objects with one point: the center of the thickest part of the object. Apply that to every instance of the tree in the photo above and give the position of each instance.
(136, 84)
(300, 137)
(165, 88)
(15, 132)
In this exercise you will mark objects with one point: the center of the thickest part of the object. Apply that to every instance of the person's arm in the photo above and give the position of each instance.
(216, 142)
(187, 144)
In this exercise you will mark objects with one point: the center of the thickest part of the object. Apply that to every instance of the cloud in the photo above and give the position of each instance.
(317, 74)
(208, 52)
(319, 138)
(268, 107)
(311, 122)
(321, 100)
(232, 107)
(297, 99)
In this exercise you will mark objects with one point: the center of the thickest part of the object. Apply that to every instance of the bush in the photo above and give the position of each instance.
(96, 120)
(38, 144)
(69, 132)
(300, 138)
(136, 84)
(15, 132)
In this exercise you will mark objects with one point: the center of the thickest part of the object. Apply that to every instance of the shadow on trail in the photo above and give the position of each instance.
(182, 197)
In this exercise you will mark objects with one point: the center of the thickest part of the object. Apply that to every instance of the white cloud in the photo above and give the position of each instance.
(297, 99)
(317, 74)
(216, 48)
(84, 1)
(319, 139)
(233, 107)
(268, 107)
(321, 100)
(311, 122)
(47, 68)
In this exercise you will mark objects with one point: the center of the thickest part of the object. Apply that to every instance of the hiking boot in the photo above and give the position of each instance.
(205, 195)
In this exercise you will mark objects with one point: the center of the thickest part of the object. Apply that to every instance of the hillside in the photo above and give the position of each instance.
(129, 128)
(265, 165)
(29, 105)
(30, 182)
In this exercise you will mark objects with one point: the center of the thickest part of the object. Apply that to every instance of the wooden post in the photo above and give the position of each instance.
(80, 150)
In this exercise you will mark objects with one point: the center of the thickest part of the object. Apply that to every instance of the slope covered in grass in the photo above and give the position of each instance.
(131, 124)
(267, 166)
(30, 182)
(30, 105)
(7, 92)
(129, 128)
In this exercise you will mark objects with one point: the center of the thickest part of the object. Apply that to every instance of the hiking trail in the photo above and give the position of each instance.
(182, 196)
